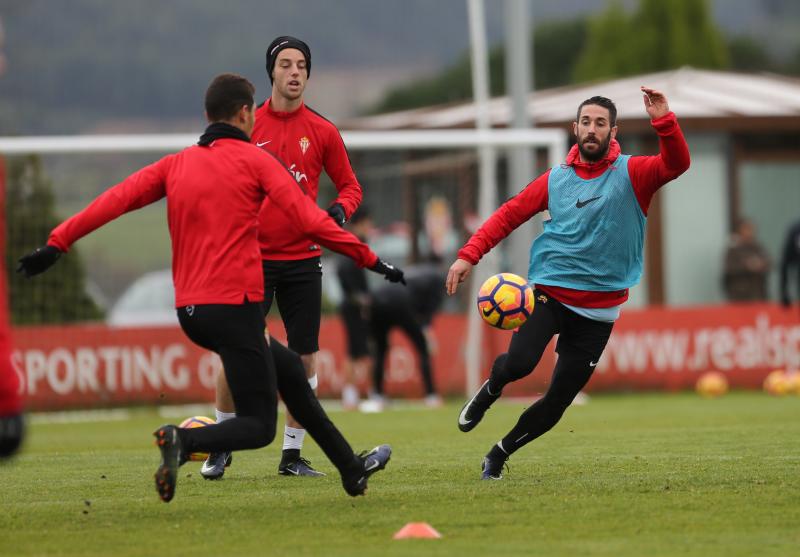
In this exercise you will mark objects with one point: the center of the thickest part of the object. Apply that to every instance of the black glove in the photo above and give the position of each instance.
(11, 432)
(38, 261)
(785, 301)
(389, 271)
(336, 212)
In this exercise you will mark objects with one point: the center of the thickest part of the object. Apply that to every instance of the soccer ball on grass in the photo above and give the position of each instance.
(197, 421)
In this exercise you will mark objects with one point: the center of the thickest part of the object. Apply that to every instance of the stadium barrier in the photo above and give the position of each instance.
(80, 366)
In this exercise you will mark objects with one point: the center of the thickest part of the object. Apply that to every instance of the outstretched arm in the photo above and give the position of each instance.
(649, 173)
(315, 223)
(511, 214)
(137, 190)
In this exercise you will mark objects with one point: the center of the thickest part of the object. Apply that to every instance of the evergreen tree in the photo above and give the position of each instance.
(606, 52)
(748, 55)
(59, 295)
(556, 46)
(659, 36)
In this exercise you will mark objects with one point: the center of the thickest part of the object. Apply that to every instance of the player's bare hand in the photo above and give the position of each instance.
(458, 273)
(655, 103)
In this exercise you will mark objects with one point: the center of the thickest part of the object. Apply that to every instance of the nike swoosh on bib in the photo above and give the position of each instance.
(262, 143)
(580, 203)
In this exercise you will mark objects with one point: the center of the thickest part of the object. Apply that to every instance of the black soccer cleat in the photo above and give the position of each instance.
(169, 443)
(371, 462)
(492, 468)
(473, 411)
(214, 466)
(298, 467)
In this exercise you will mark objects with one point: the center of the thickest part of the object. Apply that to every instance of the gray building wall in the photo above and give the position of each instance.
(695, 212)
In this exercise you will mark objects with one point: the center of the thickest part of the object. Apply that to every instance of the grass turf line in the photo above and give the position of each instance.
(623, 475)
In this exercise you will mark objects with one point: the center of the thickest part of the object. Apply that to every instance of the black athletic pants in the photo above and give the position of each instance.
(382, 320)
(255, 371)
(580, 343)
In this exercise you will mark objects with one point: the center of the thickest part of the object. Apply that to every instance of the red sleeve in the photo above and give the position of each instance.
(310, 220)
(512, 213)
(137, 190)
(10, 399)
(648, 174)
(338, 167)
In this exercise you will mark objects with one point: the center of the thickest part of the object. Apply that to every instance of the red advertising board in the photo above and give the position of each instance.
(653, 349)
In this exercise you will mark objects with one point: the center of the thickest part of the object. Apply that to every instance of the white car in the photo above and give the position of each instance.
(149, 301)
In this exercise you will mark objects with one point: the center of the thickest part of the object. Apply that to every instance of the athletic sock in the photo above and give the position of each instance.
(222, 416)
(293, 438)
(497, 452)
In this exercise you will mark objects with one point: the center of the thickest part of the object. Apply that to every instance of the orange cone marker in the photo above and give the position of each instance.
(416, 530)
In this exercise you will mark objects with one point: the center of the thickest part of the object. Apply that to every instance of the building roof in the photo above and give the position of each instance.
(702, 99)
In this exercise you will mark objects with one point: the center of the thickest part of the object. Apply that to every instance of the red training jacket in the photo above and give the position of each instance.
(214, 194)
(10, 399)
(647, 174)
(306, 142)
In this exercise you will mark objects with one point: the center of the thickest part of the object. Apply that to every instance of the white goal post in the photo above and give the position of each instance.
(554, 140)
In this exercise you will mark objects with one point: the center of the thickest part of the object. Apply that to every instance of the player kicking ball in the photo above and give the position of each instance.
(582, 265)
(215, 190)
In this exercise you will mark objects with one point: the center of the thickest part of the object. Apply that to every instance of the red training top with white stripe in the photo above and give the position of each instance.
(647, 175)
(306, 143)
(214, 194)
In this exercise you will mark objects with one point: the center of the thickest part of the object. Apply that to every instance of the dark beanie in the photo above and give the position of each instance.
(286, 42)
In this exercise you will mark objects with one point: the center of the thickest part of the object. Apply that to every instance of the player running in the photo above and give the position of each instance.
(214, 192)
(582, 265)
(306, 142)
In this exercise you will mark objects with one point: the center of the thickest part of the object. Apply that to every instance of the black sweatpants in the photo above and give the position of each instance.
(382, 320)
(580, 343)
(255, 372)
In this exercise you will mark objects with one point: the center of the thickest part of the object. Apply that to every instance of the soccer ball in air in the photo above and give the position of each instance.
(505, 301)
(712, 384)
(197, 421)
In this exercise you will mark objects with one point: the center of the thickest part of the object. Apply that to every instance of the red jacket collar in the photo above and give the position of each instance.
(283, 115)
(574, 158)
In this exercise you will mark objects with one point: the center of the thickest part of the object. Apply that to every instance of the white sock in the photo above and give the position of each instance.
(222, 416)
(293, 438)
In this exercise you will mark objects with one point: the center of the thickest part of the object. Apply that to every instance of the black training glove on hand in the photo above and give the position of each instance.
(336, 212)
(38, 261)
(389, 271)
(785, 301)
(11, 430)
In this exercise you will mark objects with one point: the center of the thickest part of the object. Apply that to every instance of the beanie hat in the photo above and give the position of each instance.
(279, 44)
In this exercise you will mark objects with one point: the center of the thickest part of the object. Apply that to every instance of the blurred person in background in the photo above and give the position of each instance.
(11, 420)
(581, 266)
(306, 143)
(790, 259)
(219, 283)
(410, 309)
(355, 310)
(746, 266)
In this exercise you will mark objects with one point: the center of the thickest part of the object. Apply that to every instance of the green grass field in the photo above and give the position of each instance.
(623, 475)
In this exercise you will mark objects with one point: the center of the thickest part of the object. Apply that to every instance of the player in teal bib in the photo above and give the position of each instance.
(582, 265)
(594, 238)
